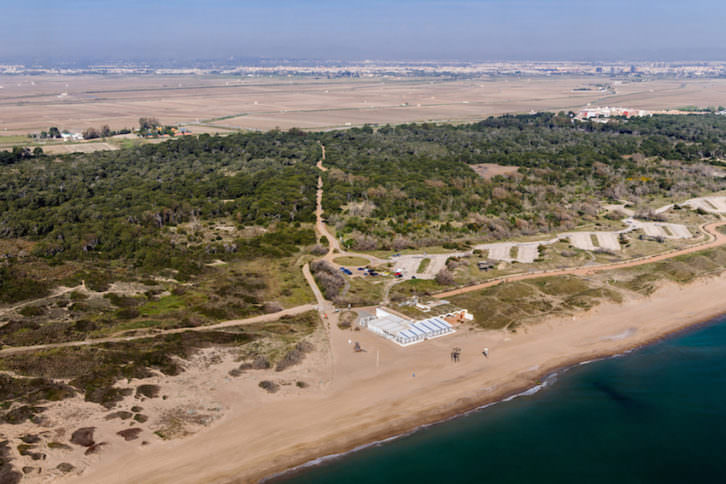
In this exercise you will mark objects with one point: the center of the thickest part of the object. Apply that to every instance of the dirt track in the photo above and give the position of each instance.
(717, 239)
(334, 249)
(117, 339)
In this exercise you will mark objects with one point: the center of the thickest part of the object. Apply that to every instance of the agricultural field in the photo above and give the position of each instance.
(209, 103)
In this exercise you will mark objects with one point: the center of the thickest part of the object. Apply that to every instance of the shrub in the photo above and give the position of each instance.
(445, 278)
(269, 386)
(291, 358)
(148, 391)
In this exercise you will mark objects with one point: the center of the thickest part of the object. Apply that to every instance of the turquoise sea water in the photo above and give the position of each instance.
(657, 414)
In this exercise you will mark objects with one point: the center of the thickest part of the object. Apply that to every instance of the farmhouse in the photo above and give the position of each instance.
(72, 136)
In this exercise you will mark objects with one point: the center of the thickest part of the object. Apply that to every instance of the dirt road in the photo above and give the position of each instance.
(263, 318)
(334, 249)
(717, 239)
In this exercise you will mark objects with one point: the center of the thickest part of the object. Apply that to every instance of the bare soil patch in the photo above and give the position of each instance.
(490, 170)
(61, 149)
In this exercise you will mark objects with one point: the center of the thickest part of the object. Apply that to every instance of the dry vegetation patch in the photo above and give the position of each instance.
(490, 170)
(510, 305)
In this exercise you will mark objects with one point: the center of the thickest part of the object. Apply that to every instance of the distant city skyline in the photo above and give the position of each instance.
(463, 30)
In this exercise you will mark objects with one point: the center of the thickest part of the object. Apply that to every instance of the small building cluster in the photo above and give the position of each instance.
(606, 112)
(405, 332)
(72, 136)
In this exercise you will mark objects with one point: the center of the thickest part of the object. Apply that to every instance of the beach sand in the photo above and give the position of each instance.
(364, 397)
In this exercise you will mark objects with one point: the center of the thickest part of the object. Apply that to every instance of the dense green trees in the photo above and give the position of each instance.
(402, 186)
(415, 181)
(117, 205)
(17, 154)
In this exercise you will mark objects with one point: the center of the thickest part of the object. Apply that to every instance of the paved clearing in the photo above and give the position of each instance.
(408, 265)
(716, 239)
(500, 251)
(708, 204)
(528, 252)
(581, 240)
(661, 229)
(608, 240)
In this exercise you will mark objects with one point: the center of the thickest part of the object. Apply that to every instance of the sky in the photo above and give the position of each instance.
(457, 30)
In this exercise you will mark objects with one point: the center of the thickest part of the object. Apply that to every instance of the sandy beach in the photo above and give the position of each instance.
(389, 390)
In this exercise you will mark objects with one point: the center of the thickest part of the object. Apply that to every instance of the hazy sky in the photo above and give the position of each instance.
(373, 29)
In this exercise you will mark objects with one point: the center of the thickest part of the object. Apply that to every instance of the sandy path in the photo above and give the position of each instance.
(334, 249)
(320, 226)
(322, 158)
(115, 339)
(57, 292)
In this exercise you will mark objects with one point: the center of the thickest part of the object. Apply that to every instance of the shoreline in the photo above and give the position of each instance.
(362, 405)
(537, 385)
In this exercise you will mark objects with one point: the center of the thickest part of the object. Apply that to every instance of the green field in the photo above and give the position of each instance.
(351, 261)
(423, 265)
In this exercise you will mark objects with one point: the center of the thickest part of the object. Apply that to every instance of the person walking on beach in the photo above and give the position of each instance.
(485, 352)
(455, 354)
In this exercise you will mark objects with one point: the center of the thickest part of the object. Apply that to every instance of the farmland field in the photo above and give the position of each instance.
(210, 103)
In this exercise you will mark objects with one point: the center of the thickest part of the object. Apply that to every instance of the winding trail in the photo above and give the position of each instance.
(59, 291)
(263, 318)
(334, 249)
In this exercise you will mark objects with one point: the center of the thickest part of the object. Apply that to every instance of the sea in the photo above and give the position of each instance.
(654, 415)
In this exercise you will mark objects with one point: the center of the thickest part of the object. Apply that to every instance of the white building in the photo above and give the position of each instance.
(405, 332)
(72, 136)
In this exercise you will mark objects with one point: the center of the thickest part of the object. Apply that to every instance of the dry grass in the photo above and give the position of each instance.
(490, 170)
(351, 261)
(61, 149)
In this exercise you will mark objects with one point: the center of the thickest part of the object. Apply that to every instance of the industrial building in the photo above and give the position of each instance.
(405, 332)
